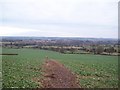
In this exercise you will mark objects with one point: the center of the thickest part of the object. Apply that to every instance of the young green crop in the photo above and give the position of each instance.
(92, 70)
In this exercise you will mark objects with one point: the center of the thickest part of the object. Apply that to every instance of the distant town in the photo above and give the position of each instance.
(65, 45)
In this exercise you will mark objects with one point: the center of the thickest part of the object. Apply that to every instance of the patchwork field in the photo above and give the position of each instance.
(23, 65)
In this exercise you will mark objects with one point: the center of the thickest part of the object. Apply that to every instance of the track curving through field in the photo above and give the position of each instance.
(56, 75)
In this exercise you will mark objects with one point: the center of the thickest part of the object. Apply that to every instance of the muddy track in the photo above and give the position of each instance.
(56, 75)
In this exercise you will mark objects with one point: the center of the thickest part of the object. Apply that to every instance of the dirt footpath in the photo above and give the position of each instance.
(56, 75)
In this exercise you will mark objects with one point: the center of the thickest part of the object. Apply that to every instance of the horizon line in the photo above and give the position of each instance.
(62, 37)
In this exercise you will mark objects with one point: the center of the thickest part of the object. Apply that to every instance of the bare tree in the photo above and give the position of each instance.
(99, 49)
(110, 50)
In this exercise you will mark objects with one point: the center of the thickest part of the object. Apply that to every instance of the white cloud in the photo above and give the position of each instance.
(56, 31)
(61, 17)
(6, 30)
(62, 11)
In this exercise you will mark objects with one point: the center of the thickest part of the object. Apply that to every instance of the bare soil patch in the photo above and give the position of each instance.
(56, 75)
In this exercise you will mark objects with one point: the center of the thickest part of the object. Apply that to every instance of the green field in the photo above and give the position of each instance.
(95, 71)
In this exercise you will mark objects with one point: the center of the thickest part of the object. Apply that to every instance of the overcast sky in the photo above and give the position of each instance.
(59, 18)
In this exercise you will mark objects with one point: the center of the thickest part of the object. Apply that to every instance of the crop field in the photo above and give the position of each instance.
(93, 71)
